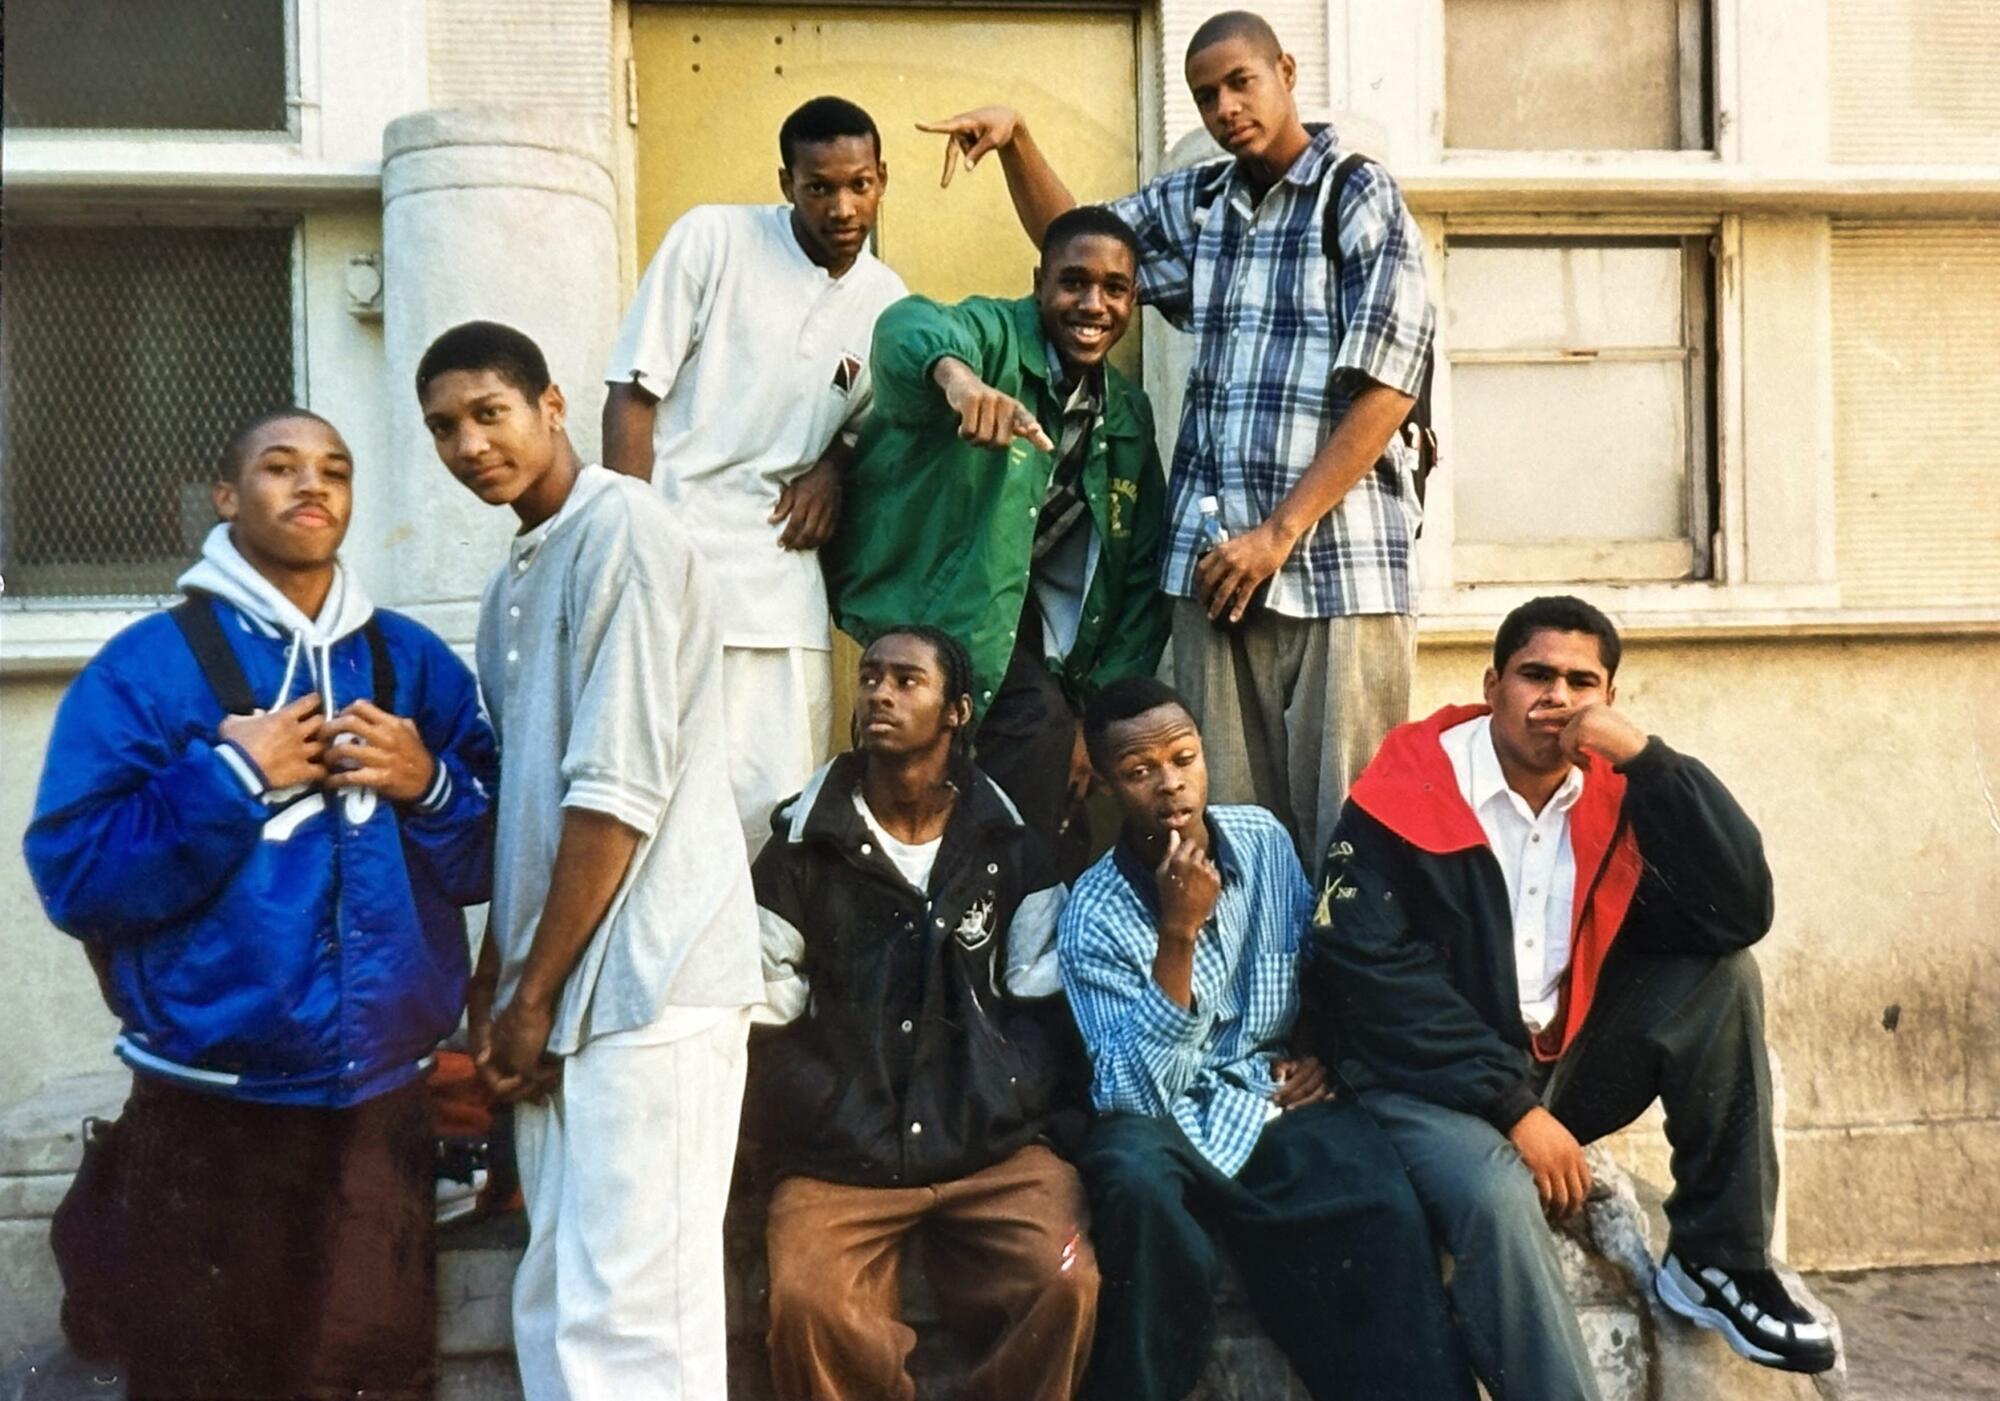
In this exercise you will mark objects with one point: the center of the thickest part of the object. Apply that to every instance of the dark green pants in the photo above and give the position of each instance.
(1326, 1234)
(1688, 1031)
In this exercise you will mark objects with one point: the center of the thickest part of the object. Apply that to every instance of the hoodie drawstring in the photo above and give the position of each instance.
(291, 669)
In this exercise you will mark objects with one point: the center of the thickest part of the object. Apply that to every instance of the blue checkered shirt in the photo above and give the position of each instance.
(1279, 355)
(1210, 1067)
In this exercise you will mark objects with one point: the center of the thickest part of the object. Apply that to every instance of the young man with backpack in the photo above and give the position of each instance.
(1301, 275)
(261, 813)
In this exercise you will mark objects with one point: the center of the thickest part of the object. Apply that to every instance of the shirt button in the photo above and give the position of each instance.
(992, 869)
(866, 849)
(940, 924)
(1034, 510)
(909, 1026)
(915, 1128)
(1534, 890)
(513, 656)
(1537, 837)
(515, 612)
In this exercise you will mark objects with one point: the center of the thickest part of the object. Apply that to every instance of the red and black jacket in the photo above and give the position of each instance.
(1408, 974)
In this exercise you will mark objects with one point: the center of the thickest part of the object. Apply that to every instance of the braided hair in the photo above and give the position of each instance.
(956, 664)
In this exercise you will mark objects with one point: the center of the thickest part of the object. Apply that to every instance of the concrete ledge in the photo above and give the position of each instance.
(1639, 1350)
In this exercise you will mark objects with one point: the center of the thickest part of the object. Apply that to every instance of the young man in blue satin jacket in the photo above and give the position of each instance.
(272, 900)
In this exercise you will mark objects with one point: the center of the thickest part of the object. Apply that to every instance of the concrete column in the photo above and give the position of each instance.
(487, 214)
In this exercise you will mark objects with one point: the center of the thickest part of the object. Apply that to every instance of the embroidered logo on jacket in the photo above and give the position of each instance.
(975, 927)
(1124, 499)
(1336, 887)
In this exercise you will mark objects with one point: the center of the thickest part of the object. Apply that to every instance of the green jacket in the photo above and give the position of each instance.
(935, 530)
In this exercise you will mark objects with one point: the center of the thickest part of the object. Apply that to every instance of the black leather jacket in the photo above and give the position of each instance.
(935, 1040)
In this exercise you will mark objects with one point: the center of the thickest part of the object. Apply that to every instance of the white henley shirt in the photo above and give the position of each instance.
(758, 358)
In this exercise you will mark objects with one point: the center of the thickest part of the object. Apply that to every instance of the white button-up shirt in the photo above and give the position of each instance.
(1535, 857)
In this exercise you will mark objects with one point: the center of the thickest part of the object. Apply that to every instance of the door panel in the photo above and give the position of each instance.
(716, 81)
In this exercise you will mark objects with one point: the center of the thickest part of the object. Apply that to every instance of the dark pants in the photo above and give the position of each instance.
(276, 1252)
(1024, 742)
(1686, 1030)
(1326, 1234)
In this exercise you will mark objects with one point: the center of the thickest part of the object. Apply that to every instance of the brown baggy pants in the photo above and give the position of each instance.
(1006, 1254)
(279, 1252)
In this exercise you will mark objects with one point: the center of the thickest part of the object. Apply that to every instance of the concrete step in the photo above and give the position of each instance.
(1640, 1352)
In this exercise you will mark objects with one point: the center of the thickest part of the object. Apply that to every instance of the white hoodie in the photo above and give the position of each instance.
(224, 572)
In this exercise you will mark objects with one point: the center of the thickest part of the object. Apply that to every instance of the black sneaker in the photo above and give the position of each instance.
(1752, 1312)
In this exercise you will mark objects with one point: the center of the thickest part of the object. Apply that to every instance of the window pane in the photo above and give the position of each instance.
(130, 354)
(1607, 440)
(1580, 406)
(195, 65)
(1519, 294)
(1543, 75)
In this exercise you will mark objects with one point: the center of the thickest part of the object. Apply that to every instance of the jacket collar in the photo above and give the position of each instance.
(1034, 353)
(1411, 788)
(824, 810)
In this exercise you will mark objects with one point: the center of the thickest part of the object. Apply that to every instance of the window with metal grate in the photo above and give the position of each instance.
(129, 353)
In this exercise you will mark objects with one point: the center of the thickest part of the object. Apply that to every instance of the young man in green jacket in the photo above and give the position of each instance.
(1008, 490)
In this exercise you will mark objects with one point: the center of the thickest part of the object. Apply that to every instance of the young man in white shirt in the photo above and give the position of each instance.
(611, 1000)
(1536, 921)
(740, 369)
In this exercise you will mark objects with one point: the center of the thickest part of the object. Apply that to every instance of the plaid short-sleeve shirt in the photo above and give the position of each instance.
(1281, 348)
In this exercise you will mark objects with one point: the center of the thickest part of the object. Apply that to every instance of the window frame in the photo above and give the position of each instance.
(1700, 106)
(1449, 591)
(301, 57)
(1693, 559)
(124, 214)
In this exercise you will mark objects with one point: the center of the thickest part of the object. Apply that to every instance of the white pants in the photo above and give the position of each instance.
(777, 702)
(626, 1169)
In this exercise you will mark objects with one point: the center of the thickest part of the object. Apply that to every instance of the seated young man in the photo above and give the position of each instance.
(261, 813)
(909, 948)
(1179, 951)
(1535, 922)
(1009, 492)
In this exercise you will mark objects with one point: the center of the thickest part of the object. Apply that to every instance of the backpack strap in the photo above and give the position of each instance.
(195, 616)
(384, 668)
(1416, 429)
(1329, 237)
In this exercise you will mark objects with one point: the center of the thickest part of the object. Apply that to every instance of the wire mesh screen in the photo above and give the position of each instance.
(130, 354)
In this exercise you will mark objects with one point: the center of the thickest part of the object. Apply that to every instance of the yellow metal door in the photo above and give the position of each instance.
(716, 81)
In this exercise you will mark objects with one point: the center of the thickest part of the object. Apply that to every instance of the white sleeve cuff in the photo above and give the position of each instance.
(638, 811)
(439, 793)
(243, 766)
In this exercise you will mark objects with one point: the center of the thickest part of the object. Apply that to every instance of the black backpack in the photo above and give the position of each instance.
(195, 615)
(1416, 429)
